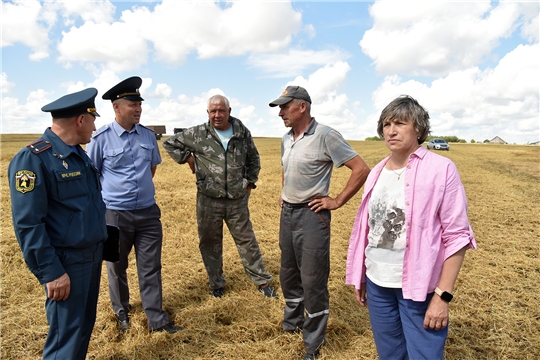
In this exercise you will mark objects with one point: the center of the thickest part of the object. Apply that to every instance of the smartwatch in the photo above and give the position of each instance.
(445, 295)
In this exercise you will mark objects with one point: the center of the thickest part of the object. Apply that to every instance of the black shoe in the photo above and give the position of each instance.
(170, 328)
(268, 291)
(123, 321)
(311, 356)
(218, 292)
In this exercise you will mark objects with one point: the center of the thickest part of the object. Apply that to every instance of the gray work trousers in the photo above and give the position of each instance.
(304, 240)
(140, 229)
(211, 212)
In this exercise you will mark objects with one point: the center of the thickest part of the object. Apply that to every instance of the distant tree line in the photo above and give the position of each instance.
(448, 139)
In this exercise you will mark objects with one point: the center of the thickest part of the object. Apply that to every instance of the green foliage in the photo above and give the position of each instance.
(472, 141)
(373, 138)
(486, 141)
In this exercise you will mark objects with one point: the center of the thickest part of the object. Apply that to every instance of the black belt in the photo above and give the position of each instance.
(296, 206)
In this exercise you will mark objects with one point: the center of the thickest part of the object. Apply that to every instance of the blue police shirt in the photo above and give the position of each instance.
(125, 159)
(56, 204)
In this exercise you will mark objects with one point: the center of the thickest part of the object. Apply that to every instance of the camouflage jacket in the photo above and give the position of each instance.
(220, 173)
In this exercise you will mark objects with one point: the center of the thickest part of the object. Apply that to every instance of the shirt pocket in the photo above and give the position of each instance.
(113, 157)
(145, 151)
(309, 163)
(71, 184)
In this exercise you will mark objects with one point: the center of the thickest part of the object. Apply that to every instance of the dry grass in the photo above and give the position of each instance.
(496, 313)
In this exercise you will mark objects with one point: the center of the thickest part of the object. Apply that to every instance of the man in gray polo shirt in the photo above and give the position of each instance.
(308, 152)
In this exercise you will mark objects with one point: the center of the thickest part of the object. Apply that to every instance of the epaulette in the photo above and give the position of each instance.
(39, 146)
(141, 125)
(101, 130)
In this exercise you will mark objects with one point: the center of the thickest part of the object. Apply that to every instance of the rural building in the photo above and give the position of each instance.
(497, 140)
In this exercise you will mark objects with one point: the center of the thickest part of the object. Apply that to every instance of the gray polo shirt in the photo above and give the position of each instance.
(307, 162)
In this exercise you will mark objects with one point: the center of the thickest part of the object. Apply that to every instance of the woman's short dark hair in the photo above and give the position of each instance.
(406, 108)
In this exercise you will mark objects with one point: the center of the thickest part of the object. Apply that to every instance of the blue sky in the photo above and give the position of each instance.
(474, 65)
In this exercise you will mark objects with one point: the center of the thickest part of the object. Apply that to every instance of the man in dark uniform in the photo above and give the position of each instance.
(126, 154)
(59, 221)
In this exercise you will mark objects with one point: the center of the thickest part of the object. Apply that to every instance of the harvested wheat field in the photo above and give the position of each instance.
(495, 314)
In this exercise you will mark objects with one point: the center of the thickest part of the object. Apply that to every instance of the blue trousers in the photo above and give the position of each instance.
(71, 321)
(398, 326)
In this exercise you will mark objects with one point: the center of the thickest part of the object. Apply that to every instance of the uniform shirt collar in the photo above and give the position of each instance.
(119, 130)
(60, 148)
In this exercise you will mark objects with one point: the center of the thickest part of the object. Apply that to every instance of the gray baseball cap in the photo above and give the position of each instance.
(291, 92)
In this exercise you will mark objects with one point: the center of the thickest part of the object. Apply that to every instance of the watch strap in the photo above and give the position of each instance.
(445, 295)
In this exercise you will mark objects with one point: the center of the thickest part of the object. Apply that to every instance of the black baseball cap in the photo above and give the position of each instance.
(291, 92)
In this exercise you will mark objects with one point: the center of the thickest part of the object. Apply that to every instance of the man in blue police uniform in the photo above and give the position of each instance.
(126, 154)
(59, 222)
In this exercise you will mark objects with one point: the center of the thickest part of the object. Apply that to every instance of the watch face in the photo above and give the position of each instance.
(446, 296)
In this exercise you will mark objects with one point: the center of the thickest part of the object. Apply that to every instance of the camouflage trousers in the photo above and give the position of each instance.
(211, 213)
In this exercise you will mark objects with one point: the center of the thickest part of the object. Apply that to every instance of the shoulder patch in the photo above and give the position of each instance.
(25, 181)
(101, 130)
(39, 146)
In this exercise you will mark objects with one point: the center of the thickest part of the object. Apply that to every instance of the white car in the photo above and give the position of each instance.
(438, 144)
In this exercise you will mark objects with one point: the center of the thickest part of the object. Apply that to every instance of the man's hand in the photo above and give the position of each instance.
(191, 163)
(323, 203)
(280, 202)
(58, 290)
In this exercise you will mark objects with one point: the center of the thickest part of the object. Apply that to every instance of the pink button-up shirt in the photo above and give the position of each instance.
(436, 219)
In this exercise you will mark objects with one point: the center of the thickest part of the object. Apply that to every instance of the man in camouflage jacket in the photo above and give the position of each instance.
(226, 164)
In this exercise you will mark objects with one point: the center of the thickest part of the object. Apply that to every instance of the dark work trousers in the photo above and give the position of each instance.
(304, 240)
(71, 321)
(140, 229)
(211, 213)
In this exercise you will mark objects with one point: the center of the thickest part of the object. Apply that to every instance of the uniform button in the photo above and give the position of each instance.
(408, 166)
(407, 184)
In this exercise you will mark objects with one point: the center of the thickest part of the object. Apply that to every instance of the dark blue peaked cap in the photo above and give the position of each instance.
(78, 103)
(126, 89)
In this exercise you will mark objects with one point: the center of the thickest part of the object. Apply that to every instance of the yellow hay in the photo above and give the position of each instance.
(495, 315)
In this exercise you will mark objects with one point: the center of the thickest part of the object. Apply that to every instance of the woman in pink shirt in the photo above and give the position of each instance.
(409, 238)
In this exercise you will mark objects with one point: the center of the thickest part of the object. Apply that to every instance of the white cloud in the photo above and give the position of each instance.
(530, 29)
(26, 117)
(173, 29)
(478, 104)
(329, 106)
(247, 114)
(27, 22)
(104, 43)
(294, 62)
(436, 37)
(5, 85)
(95, 11)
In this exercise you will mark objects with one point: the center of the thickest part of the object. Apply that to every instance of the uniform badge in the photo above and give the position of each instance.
(65, 164)
(24, 181)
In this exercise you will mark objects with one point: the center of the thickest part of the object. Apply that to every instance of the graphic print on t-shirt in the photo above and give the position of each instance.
(386, 224)
(386, 213)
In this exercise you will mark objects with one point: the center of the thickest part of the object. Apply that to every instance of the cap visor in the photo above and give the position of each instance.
(280, 101)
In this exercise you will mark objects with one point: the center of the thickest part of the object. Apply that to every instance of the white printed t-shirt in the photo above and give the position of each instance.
(386, 248)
